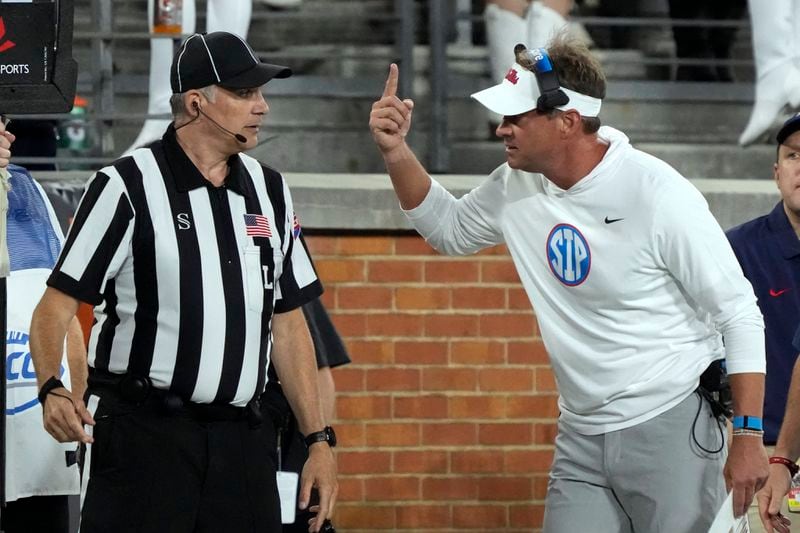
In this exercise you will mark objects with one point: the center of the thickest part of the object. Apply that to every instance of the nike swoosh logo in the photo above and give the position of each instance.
(775, 294)
(612, 220)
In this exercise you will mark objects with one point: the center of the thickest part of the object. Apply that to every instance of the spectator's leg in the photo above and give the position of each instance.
(546, 19)
(562, 7)
(777, 76)
(796, 31)
(722, 39)
(504, 29)
(229, 15)
(161, 52)
(509, 22)
(691, 42)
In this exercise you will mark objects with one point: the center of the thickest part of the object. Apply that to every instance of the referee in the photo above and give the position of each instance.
(192, 256)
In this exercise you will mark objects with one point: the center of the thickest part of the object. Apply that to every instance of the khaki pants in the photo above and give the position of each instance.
(646, 478)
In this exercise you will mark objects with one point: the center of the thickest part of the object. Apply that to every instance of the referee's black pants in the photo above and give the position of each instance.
(153, 471)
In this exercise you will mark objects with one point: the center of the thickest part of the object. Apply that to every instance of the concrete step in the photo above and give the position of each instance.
(340, 49)
(692, 122)
(321, 151)
(670, 112)
(695, 161)
(716, 161)
(353, 151)
(302, 108)
(334, 21)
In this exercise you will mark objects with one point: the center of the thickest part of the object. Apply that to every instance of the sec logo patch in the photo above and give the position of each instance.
(568, 255)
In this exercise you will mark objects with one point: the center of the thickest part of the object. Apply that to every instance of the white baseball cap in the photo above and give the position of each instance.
(519, 93)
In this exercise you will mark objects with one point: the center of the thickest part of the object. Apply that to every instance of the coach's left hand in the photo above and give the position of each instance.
(746, 470)
(319, 472)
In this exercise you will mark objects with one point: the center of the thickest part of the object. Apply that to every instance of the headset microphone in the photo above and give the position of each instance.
(238, 136)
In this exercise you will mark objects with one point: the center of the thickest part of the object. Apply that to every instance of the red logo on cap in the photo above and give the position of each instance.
(8, 44)
(512, 76)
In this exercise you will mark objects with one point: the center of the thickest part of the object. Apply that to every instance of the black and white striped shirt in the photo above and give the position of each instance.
(185, 276)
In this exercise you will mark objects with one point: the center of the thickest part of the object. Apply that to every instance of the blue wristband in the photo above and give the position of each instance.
(748, 422)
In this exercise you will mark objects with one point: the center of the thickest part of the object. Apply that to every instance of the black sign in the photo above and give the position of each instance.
(37, 72)
(27, 41)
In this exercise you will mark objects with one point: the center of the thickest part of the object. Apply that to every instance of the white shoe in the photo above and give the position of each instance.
(775, 91)
(152, 130)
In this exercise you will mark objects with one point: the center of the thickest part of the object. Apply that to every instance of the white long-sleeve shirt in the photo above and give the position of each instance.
(633, 281)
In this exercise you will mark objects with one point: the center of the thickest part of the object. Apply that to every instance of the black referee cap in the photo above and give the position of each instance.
(790, 126)
(220, 58)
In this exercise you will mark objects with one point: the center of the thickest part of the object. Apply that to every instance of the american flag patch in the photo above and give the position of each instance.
(257, 226)
(296, 227)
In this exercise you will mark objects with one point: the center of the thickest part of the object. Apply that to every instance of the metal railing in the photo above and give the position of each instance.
(463, 19)
(101, 85)
(104, 86)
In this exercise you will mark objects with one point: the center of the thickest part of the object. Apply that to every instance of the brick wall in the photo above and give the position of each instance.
(447, 415)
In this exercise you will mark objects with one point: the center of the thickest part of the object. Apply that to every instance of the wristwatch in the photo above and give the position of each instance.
(326, 435)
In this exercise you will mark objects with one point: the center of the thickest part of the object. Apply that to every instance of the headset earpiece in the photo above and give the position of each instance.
(537, 61)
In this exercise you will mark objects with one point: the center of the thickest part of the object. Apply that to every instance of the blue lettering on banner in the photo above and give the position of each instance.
(20, 373)
(568, 255)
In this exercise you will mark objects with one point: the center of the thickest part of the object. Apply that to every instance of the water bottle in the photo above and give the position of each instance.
(167, 17)
(793, 497)
(74, 135)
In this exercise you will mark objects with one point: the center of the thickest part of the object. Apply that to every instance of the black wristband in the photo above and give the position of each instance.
(48, 386)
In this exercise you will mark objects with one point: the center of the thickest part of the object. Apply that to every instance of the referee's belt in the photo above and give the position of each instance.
(140, 392)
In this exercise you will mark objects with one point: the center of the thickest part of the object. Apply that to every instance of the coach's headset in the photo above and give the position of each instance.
(538, 62)
(551, 94)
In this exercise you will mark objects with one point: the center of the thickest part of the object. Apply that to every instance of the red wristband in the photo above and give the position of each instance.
(791, 465)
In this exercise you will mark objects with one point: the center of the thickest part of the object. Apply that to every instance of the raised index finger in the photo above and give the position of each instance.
(391, 81)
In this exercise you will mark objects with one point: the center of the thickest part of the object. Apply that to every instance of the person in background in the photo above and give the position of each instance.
(776, 47)
(330, 352)
(783, 463)
(768, 250)
(509, 22)
(35, 138)
(703, 43)
(536, 22)
(221, 15)
(40, 473)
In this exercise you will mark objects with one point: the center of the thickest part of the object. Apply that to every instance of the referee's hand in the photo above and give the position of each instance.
(65, 416)
(319, 472)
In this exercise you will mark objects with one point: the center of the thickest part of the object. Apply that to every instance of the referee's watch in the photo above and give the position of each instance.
(326, 435)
